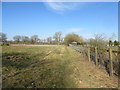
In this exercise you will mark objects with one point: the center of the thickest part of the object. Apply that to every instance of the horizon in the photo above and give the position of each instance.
(45, 18)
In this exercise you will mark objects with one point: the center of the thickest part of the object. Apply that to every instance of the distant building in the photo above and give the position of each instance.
(77, 43)
(74, 43)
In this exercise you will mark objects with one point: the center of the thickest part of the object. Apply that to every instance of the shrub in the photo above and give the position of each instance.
(5, 44)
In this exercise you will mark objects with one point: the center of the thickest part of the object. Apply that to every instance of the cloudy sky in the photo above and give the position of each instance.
(46, 18)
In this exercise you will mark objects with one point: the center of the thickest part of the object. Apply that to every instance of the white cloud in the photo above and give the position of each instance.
(61, 7)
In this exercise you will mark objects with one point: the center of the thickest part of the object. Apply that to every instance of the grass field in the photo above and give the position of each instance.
(50, 67)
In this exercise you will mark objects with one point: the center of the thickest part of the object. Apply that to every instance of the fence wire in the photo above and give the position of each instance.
(103, 57)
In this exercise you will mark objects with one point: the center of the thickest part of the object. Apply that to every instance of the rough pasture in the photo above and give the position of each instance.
(50, 67)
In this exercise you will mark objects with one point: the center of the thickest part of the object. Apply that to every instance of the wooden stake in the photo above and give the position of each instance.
(89, 54)
(96, 56)
(111, 62)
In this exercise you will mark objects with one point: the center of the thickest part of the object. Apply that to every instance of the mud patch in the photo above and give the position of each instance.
(14, 57)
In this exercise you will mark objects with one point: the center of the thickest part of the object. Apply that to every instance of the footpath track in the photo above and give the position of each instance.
(54, 67)
(84, 74)
(90, 76)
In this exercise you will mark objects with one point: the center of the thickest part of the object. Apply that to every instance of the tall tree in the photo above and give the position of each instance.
(110, 43)
(3, 37)
(100, 40)
(57, 37)
(116, 43)
(34, 38)
(49, 40)
(69, 38)
(25, 39)
(17, 38)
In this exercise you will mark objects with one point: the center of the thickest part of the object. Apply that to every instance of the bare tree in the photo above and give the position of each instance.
(57, 37)
(34, 38)
(3, 37)
(25, 39)
(49, 40)
(99, 41)
(113, 36)
(17, 38)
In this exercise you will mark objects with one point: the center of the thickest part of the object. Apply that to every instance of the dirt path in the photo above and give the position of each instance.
(53, 67)
(87, 75)
(84, 74)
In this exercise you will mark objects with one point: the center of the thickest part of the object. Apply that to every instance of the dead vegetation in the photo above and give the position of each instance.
(29, 67)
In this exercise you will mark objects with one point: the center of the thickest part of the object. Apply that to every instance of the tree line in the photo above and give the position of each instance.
(99, 40)
(34, 39)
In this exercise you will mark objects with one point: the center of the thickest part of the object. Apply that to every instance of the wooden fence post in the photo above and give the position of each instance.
(82, 52)
(88, 53)
(111, 63)
(96, 56)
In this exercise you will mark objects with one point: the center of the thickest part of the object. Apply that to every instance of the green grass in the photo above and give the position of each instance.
(31, 70)
(33, 67)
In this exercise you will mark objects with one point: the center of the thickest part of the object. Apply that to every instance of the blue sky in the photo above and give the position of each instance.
(44, 19)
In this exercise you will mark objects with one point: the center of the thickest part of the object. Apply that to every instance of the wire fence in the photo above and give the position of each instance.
(104, 58)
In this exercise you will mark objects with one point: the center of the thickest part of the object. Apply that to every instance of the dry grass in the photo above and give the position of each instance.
(36, 45)
(31, 67)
